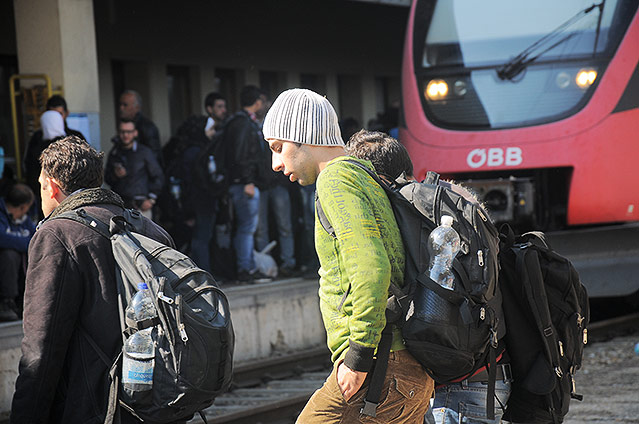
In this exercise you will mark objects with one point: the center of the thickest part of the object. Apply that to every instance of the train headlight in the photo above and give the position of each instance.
(586, 77)
(436, 90)
(460, 88)
(563, 80)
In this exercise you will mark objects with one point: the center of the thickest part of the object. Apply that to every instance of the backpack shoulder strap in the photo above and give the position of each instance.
(81, 216)
(370, 172)
(323, 219)
(529, 271)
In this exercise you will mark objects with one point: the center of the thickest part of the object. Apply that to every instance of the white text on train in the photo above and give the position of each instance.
(494, 156)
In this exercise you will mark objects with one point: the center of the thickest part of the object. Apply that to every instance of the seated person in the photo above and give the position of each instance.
(16, 230)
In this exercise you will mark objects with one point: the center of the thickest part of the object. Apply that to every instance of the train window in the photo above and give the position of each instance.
(508, 64)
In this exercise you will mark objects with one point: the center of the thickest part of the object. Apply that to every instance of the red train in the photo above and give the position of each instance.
(535, 105)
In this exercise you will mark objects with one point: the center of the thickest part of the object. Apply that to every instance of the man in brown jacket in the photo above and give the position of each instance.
(70, 295)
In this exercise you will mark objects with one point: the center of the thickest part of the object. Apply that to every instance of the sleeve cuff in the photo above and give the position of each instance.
(358, 357)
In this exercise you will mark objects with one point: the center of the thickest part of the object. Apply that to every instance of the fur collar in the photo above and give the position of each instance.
(87, 197)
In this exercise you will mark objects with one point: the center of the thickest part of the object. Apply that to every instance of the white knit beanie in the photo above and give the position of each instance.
(302, 116)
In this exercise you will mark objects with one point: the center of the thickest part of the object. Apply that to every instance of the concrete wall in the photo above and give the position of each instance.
(268, 319)
(57, 38)
(275, 318)
(10, 339)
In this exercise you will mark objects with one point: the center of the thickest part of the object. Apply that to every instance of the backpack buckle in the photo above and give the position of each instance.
(494, 341)
(369, 408)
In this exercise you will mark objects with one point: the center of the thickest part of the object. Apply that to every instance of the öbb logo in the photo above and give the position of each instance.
(495, 156)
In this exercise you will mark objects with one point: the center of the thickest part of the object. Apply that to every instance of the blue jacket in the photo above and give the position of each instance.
(14, 235)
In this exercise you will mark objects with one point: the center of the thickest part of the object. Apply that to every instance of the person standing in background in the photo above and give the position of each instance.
(132, 170)
(130, 107)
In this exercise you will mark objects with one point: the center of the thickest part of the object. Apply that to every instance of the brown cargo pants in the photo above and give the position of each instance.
(405, 397)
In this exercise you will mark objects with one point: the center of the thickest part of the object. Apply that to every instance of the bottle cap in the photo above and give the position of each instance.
(447, 221)
(142, 286)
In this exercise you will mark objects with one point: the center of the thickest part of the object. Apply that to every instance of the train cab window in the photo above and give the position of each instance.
(504, 64)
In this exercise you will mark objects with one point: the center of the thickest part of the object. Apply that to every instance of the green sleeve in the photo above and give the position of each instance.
(349, 201)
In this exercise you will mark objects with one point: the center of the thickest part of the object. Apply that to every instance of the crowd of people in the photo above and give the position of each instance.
(211, 186)
(218, 183)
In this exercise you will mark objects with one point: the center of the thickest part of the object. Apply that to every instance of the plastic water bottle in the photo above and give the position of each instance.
(212, 166)
(443, 246)
(139, 350)
(176, 190)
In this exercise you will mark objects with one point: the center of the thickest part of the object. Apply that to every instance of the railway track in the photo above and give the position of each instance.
(275, 390)
(606, 329)
(270, 391)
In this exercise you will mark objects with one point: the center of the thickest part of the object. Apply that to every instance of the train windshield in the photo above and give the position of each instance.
(500, 64)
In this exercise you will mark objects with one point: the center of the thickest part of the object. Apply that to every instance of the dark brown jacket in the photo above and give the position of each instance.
(70, 285)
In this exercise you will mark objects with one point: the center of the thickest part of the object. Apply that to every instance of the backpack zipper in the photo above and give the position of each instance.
(481, 215)
(580, 320)
(178, 318)
(166, 299)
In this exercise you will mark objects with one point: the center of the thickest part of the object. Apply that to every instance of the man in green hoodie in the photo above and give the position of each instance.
(357, 265)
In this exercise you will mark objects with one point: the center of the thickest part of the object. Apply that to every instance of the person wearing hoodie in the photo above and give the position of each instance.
(51, 129)
(16, 230)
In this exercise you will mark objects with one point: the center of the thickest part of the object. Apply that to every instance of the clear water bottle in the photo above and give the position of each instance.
(212, 166)
(139, 350)
(443, 246)
(176, 190)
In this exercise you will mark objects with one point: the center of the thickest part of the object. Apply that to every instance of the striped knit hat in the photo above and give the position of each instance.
(302, 116)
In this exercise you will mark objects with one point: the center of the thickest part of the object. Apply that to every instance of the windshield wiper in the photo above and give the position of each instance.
(516, 65)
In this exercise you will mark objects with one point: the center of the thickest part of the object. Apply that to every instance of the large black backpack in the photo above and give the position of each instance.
(193, 334)
(547, 312)
(451, 333)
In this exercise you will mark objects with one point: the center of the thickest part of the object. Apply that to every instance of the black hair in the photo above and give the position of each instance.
(125, 121)
(73, 163)
(212, 97)
(56, 101)
(249, 95)
(388, 156)
(19, 194)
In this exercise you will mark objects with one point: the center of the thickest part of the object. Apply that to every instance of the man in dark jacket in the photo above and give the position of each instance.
(70, 295)
(132, 170)
(130, 107)
(244, 142)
